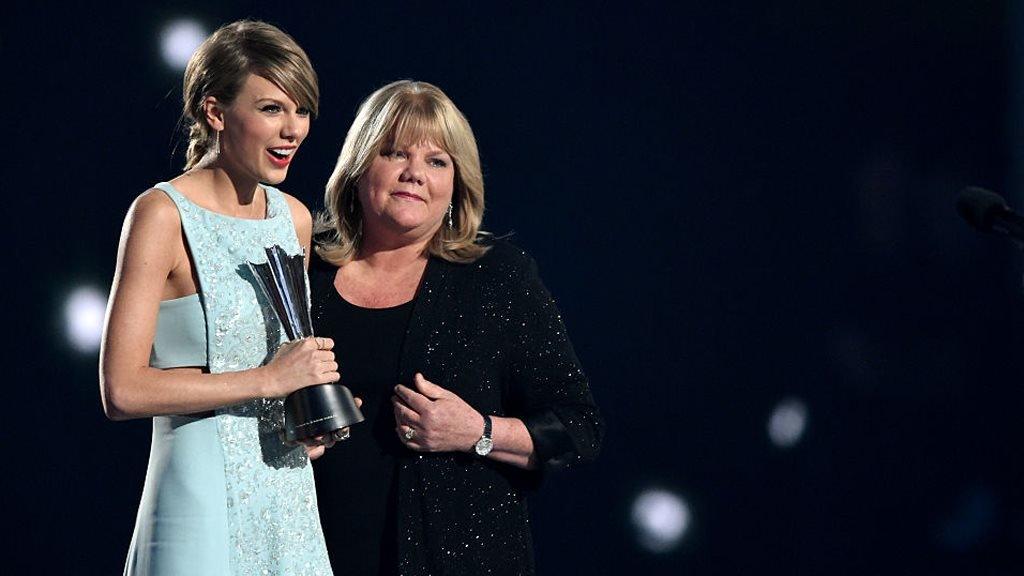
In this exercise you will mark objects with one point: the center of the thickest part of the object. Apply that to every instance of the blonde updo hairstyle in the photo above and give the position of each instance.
(223, 62)
(400, 114)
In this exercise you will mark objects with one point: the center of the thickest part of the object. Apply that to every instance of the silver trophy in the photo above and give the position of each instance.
(316, 410)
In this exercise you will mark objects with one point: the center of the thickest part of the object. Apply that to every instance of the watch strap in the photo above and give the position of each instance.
(484, 445)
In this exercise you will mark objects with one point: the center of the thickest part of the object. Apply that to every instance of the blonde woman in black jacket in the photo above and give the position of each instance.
(470, 383)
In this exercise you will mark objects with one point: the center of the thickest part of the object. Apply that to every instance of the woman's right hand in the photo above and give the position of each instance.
(301, 363)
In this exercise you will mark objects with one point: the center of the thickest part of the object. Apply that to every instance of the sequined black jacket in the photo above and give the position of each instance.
(490, 332)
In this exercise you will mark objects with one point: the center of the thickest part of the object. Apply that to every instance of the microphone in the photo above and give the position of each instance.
(987, 212)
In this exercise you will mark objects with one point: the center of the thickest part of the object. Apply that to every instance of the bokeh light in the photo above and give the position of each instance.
(661, 519)
(178, 40)
(83, 318)
(787, 422)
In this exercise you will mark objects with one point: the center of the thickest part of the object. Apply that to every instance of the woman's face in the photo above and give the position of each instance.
(406, 190)
(262, 130)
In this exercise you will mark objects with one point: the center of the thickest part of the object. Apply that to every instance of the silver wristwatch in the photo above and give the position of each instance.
(484, 444)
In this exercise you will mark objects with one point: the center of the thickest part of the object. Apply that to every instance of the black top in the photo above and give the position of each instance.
(488, 331)
(355, 478)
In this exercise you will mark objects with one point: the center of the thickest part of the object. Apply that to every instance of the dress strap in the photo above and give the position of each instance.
(177, 197)
(277, 206)
(192, 218)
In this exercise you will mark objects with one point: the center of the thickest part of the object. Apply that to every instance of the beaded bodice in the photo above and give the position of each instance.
(271, 504)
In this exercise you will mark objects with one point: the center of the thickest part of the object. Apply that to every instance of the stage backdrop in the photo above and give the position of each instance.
(807, 363)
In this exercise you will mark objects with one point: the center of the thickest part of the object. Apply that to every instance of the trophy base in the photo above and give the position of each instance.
(319, 410)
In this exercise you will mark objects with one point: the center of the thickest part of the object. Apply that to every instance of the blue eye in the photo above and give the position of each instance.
(272, 108)
(438, 163)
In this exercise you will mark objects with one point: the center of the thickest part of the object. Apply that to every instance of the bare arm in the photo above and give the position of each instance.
(147, 255)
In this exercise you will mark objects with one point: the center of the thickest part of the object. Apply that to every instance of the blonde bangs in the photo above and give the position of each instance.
(415, 121)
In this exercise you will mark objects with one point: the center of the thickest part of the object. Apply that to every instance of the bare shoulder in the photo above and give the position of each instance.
(156, 207)
(152, 217)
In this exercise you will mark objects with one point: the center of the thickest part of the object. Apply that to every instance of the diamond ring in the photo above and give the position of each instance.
(409, 434)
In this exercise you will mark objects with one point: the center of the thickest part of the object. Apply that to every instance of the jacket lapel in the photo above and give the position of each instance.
(424, 331)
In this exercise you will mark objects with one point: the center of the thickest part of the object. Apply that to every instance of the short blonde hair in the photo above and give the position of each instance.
(402, 113)
(222, 63)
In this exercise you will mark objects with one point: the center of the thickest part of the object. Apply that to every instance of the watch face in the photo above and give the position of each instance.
(483, 446)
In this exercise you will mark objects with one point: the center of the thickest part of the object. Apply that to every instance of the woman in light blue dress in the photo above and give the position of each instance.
(190, 342)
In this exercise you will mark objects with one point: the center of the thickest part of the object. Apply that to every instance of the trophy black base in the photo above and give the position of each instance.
(319, 410)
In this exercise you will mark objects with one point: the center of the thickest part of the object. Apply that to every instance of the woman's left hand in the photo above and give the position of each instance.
(315, 451)
(433, 419)
(316, 446)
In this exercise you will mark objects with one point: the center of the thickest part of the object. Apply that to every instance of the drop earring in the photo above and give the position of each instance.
(451, 222)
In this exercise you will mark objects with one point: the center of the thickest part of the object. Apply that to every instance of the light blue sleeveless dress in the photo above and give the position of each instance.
(223, 494)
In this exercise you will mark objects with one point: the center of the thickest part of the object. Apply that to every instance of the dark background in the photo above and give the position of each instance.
(733, 203)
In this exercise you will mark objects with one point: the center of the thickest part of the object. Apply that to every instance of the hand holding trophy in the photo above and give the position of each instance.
(317, 410)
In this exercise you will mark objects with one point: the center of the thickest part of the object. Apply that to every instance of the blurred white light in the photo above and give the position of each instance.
(787, 422)
(661, 519)
(83, 316)
(179, 40)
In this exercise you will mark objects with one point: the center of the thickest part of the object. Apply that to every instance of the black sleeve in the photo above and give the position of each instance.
(556, 404)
